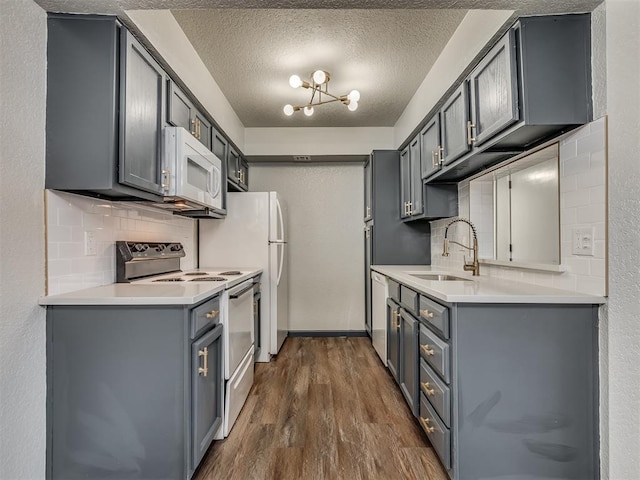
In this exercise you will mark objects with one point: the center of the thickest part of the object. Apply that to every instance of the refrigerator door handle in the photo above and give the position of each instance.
(280, 220)
(281, 250)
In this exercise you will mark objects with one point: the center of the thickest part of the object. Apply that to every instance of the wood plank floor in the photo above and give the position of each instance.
(326, 408)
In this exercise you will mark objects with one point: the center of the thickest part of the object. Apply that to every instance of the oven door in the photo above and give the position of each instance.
(240, 325)
(199, 173)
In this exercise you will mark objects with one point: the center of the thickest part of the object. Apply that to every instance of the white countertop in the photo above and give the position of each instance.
(481, 289)
(182, 293)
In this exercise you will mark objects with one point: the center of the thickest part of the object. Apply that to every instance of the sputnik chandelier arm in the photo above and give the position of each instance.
(319, 79)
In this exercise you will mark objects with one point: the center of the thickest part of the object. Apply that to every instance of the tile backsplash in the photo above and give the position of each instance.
(69, 216)
(583, 203)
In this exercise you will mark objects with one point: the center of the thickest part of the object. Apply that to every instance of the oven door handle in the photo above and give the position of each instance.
(233, 296)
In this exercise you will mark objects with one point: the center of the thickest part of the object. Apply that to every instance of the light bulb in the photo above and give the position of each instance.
(308, 111)
(295, 81)
(354, 95)
(319, 76)
(353, 106)
(288, 110)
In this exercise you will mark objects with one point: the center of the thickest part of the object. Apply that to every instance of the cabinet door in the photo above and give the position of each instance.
(368, 182)
(494, 90)
(454, 118)
(142, 116)
(219, 145)
(409, 359)
(405, 183)
(243, 172)
(368, 235)
(202, 128)
(179, 108)
(207, 391)
(416, 177)
(233, 165)
(430, 146)
(393, 338)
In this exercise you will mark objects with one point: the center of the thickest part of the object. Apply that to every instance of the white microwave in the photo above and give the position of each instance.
(191, 174)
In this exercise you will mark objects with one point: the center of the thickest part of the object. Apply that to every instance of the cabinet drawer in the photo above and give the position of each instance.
(436, 392)
(394, 290)
(437, 315)
(436, 352)
(409, 299)
(205, 316)
(439, 435)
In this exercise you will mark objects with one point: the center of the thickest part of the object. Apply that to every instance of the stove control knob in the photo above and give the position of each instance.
(176, 247)
(141, 247)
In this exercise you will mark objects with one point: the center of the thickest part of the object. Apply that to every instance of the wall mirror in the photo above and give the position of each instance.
(516, 209)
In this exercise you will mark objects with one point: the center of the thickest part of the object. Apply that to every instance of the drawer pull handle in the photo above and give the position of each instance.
(426, 313)
(426, 386)
(427, 350)
(212, 314)
(204, 353)
(425, 424)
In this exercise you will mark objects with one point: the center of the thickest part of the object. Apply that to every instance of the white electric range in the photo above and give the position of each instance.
(237, 309)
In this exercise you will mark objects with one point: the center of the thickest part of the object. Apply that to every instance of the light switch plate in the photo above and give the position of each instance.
(90, 247)
(582, 241)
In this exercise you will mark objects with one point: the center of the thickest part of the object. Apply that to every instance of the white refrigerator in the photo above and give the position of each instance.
(253, 234)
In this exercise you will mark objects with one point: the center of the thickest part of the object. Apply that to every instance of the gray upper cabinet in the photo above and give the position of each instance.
(454, 117)
(531, 86)
(405, 183)
(105, 113)
(415, 207)
(494, 91)
(430, 146)
(142, 92)
(237, 170)
(182, 113)
(219, 145)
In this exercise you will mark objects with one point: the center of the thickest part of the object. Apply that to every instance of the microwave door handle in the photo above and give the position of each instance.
(216, 182)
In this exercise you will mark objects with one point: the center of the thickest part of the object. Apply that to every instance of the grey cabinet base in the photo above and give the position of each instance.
(119, 393)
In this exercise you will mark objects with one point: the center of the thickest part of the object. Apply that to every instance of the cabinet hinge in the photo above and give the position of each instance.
(510, 248)
(509, 184)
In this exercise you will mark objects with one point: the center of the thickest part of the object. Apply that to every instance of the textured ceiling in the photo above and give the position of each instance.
(385, 54)
(251, 47)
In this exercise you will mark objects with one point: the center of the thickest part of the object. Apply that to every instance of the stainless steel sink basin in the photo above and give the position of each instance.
(439, 277)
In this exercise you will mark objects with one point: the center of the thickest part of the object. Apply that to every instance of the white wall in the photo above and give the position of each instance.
(326, 241)
(70, 216)
(22, 321)
(317, 141)
(165, 34)
(473, 33)
(620, 368)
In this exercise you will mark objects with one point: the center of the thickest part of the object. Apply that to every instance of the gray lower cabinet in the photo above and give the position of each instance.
(504, 390)
(393, 338)
(132, 391)
(105, 110)
(409, 359)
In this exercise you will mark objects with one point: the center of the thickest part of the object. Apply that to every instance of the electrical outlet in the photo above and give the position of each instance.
(90, 246)
(582, 241)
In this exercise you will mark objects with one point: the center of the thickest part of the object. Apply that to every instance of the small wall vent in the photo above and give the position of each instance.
(302, 158)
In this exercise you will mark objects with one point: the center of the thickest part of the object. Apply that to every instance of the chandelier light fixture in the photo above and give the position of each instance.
(319, 86)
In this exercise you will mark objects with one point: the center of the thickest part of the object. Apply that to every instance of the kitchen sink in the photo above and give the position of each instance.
(439, 277)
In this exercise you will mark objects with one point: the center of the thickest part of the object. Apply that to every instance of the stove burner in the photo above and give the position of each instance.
(208, 279)
(231, 272)
(169, 280)
(191, 274)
